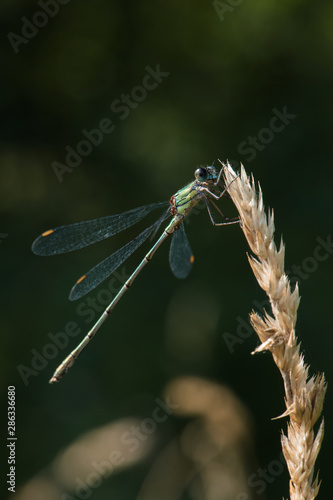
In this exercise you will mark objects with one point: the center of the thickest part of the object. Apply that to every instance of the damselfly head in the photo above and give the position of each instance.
(206, 174)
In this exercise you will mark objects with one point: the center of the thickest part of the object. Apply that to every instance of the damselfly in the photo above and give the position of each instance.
(79, 235)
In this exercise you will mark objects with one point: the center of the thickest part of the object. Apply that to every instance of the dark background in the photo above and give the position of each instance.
(229, 69)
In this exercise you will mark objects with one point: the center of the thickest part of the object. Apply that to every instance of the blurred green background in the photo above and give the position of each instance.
(228, 69)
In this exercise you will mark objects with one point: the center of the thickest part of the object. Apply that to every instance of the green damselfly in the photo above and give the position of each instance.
(206, 186)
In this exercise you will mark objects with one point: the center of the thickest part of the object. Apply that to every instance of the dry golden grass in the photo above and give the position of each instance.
(304, 397)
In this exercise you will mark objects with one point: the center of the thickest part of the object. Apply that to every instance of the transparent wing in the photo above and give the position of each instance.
(105, 268)
(181, 256)
(81, 234)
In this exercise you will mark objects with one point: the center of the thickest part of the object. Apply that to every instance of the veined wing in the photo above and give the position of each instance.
(181, 256)
(105, 268)
(81, 234)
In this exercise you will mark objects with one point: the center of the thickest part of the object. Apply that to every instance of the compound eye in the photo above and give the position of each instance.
(201, 174)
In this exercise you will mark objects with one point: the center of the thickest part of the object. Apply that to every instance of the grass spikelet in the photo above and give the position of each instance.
(304, 397)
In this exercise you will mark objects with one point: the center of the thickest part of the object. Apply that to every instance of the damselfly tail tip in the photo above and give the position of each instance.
(63, 368)
(58, 374)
